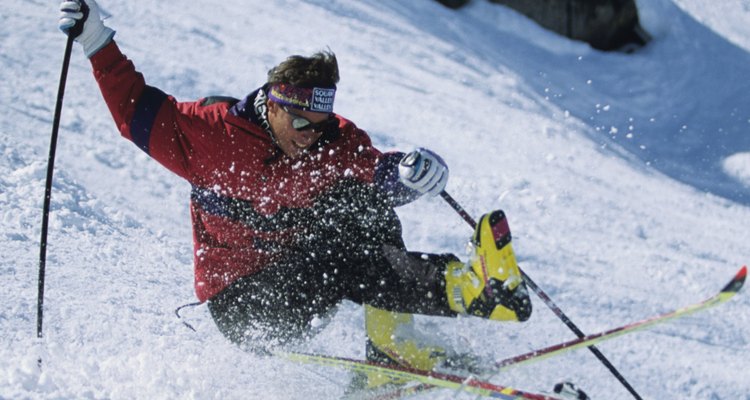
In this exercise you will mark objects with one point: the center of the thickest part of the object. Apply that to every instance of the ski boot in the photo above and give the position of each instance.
(392, 339)
(489, 285)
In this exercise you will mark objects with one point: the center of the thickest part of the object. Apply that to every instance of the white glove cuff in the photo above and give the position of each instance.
(100, 36)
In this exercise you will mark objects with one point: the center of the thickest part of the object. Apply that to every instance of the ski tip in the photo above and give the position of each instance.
(736, 283)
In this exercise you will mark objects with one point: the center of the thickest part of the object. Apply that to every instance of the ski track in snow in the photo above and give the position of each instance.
(625, 178)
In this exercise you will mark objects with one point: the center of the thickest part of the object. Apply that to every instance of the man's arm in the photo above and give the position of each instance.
(173, 133)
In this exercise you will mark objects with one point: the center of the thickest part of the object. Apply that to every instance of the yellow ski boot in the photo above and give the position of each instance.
(390, 342)
(489, 284)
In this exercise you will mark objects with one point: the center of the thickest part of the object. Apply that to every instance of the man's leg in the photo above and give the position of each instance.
(363, 233)
(275, 306)
(357, 231)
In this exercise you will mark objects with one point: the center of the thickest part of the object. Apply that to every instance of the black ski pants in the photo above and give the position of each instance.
(340, 256)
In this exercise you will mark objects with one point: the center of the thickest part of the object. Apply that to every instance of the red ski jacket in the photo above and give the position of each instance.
(246, 193)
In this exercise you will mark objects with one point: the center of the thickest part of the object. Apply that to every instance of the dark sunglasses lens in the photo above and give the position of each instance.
(324, 126)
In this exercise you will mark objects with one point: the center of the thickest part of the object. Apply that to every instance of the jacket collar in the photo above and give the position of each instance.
(254, 109)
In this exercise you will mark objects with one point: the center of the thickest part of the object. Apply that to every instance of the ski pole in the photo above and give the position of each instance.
(48, 188)
(548, 301)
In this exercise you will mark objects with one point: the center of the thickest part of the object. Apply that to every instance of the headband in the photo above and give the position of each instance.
(306, 99)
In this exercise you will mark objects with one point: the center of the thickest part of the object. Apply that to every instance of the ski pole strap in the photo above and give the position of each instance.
(177, 313)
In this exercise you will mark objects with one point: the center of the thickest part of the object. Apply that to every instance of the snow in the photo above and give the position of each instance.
(738, 166)
(625, 178)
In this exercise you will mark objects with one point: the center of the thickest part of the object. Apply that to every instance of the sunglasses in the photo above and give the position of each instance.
(300, 123)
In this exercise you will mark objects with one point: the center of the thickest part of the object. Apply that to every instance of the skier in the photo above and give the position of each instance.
(293, 208)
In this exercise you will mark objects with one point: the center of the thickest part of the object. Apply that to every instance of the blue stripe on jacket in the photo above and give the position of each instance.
(243, 211)
(145, 114)
(386, 179)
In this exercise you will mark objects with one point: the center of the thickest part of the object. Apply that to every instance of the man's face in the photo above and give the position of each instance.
(291, 141)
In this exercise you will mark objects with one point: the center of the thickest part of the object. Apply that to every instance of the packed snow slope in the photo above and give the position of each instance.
(625, 178)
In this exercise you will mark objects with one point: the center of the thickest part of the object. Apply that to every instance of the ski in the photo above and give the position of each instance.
(390, 392)
(429, 379)
(723, 296)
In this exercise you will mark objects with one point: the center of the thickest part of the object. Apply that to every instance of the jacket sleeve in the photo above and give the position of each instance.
(169, 131)
(386, 179)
